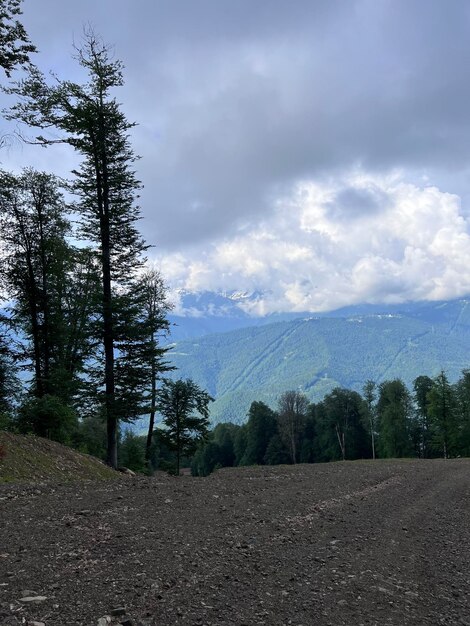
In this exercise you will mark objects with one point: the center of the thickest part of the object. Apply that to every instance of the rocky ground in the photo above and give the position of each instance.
(344, 543)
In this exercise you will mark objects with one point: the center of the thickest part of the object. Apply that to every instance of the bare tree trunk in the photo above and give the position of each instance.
(341, 442)
(372, 437)
(153, 399)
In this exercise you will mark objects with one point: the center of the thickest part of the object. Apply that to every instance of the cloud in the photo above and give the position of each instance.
(414, 246)
(238, 101)
(303, 149)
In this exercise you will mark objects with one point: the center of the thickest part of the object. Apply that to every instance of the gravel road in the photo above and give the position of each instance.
(354, 543)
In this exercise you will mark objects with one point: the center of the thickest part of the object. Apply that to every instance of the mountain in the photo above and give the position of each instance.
(209, 312)
(317, 353)
(206, 312)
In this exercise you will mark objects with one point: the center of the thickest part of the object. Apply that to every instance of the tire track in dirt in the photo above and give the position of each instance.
(332, 503)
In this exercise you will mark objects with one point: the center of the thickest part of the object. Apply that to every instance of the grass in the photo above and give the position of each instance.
(30, 459)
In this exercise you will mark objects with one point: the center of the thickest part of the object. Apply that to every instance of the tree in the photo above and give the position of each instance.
(224, 436)
(422, 385)
(33, 231)
(132, 452)
(9, 383)
(185, 410)
(261, 426)
(51, 285)
(276, 452)
(371, 414)
(239, 443)
(394, 410)
(47, 417)
(340, 418)
(441, 409)
(462, 399)
(15, 46)
(292, 412)
(155, 308)
(94, 125)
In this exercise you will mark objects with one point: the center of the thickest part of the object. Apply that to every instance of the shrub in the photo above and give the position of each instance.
(47, 417)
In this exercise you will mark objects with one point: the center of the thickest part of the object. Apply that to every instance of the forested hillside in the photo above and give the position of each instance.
(317, 354)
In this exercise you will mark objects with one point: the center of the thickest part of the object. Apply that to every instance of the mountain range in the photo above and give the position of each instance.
(244, 358)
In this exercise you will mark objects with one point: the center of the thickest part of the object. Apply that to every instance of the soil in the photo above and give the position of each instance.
(354, 543)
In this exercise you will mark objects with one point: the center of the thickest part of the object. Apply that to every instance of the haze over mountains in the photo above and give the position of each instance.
(238, 358)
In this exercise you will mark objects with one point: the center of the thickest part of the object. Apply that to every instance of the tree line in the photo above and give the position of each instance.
(386, 421)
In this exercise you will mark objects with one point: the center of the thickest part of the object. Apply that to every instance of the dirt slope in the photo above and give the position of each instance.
(33, 459)
(346, 543)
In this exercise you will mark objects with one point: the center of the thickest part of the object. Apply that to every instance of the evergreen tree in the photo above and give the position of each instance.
(132, 452)
(185, 410)
(37, 258)
(155, 308)
(340, 424)
(394, 411)
(422, 385)
(462, 400)
(206, 459)
(442, 415)
(15, 46)
(239, 444)
(277, 452)
(93, 123)
(224, 436)
(261, 426)
(48, 417)
(9, 383)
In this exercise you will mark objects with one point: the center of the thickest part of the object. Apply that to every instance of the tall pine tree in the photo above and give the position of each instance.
(93, 123)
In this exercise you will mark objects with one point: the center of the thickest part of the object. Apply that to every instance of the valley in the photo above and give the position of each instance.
(315, 354)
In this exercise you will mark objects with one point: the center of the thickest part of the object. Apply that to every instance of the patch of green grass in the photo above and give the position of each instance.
(29, 459)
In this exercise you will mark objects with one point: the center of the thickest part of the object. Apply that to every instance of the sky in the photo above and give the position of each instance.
(316, 152)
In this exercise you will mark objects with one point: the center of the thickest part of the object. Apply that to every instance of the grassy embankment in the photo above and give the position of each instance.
(29, 459)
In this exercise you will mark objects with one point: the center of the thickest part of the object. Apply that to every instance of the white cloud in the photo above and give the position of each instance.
(365, 238)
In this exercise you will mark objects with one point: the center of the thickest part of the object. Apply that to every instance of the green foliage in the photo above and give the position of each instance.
(185, 410)
(462, 400)
(276, 452)
(15, 46)
(291, 417)
(90, 120)
(340, 425)
(9, 384)
(239, 444)
(260, 427)
(441, 406)
(132, 452)
(47, 417)
(224, 436)
(394, 410)
(90, 436)
(422, 385)
(207, 458)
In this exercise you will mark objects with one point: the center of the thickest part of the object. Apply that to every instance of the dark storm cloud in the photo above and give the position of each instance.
(238, 100)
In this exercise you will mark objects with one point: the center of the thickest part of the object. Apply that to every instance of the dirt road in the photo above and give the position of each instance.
(344, 543)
